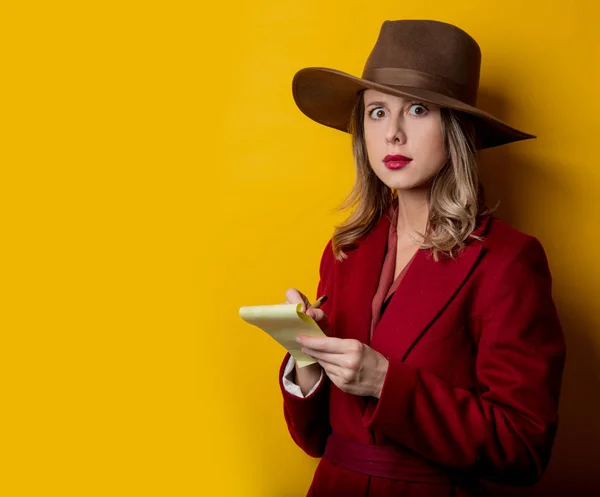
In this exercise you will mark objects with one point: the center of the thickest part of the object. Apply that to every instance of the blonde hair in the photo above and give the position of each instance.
(455, 197)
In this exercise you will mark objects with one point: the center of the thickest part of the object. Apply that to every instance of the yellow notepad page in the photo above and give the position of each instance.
(284, 322)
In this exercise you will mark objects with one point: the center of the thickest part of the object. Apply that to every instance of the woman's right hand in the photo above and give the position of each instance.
(296, 297)
(307, 377)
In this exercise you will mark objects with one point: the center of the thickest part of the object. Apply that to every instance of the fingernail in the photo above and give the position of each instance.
(299, 339)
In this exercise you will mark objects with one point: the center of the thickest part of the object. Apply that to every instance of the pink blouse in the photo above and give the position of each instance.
(387, 284)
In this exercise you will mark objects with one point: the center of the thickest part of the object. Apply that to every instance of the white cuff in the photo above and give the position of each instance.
(290, 386)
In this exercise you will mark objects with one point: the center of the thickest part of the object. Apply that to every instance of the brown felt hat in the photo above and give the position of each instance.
(431, 61)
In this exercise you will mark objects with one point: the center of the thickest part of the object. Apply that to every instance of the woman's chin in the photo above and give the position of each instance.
(406, 186)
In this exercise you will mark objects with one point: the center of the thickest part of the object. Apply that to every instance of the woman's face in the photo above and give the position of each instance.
(394, 127)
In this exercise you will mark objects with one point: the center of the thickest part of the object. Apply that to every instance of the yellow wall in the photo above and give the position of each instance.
(156, 175)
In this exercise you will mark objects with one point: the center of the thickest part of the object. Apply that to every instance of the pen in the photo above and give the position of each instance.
(318, 302)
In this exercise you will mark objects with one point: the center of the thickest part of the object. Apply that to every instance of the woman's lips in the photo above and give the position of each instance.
(396, 161)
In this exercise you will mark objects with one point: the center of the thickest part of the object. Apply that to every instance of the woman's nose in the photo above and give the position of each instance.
(395, 133)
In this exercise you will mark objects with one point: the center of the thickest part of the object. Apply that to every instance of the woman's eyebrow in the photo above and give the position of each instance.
(381, 103)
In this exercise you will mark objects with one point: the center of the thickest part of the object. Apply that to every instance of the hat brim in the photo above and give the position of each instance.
(327, 96)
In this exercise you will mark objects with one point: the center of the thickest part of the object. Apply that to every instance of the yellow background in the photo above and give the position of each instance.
(156, 175)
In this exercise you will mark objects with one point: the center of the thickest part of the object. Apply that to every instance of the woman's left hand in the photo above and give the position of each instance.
(351, 365)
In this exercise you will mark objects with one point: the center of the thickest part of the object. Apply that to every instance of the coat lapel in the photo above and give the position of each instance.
(356, 282)
(427, 288)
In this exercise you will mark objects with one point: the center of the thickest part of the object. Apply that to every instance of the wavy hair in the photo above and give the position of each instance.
(455, 196)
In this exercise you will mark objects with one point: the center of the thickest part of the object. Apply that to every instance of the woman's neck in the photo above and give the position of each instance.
(413, 214)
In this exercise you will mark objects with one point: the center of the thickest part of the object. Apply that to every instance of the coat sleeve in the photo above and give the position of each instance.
(307, 418)
(505, 430)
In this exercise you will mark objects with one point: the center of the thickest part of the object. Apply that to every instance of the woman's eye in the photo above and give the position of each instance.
(377, 113)
(418, 110)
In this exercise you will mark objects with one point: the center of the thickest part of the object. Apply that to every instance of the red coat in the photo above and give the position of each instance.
(476, 355)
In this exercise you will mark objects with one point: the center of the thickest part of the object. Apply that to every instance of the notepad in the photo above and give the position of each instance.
(284, 322)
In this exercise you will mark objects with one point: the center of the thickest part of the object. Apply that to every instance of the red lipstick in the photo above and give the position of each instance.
(396, 161)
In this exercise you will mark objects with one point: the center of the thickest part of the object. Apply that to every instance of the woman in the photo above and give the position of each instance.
(444, 354)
